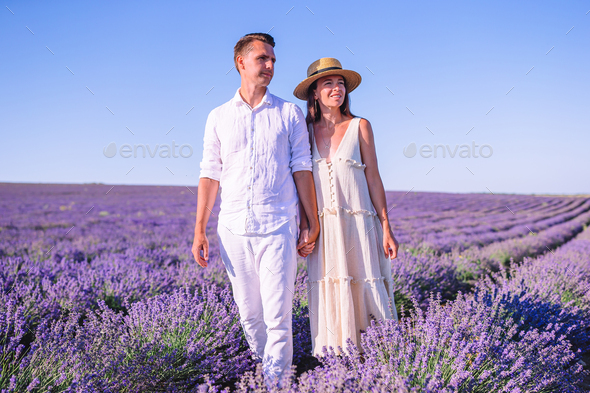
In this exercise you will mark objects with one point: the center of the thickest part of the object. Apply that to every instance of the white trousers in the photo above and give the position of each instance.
(262, 271)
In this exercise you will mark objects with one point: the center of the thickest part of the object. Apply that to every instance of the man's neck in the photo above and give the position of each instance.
(252, 94)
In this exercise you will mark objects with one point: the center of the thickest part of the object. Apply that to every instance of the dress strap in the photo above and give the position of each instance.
(312, 145)
(354, 151)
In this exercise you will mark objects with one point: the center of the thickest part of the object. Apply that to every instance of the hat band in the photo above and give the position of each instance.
(324, 69)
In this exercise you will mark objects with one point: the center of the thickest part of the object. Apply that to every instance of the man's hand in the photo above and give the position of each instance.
(206, 194)
(304, 247)
(201, 243)
(307, 198)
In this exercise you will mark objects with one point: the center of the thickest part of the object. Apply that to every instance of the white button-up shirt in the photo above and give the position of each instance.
(253, 153)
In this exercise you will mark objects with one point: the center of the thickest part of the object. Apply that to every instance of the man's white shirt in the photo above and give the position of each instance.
(253, 153)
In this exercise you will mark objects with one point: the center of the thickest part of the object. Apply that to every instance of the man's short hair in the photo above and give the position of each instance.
(244, 45)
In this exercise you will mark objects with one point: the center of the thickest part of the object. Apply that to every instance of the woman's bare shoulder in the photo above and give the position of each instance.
(365, 128)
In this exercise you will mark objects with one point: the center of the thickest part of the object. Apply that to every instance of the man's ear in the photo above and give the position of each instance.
(240, 62)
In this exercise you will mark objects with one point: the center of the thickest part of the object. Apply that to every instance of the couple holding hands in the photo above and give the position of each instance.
(273, 165)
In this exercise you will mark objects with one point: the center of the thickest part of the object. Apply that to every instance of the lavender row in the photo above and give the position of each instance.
(532, 244)
(485, 234)
(503, 219)
(416, 273)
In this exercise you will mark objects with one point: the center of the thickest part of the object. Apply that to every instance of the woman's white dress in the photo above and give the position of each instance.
(349, 276)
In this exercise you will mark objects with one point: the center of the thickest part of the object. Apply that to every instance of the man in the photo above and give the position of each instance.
(256, 148)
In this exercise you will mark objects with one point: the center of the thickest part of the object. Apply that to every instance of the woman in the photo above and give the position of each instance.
(349, 273)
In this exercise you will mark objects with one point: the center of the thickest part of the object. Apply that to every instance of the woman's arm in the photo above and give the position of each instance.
(376, 189)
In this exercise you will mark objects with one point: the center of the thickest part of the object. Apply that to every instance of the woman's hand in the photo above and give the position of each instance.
(303, 247)
(390, 244)
(306, 250)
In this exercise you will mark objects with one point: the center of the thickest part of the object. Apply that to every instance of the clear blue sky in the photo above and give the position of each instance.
(441, 65)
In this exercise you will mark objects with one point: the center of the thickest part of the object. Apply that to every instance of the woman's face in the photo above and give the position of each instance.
(330, 91)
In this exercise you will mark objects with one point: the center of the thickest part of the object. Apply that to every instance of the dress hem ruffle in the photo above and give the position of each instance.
(334, 211)
(330, 279)
(354, 163)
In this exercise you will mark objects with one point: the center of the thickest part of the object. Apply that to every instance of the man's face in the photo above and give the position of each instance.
(258, 64)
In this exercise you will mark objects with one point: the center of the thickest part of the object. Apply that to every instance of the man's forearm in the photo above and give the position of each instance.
(303, 222)
(206, 194)
(307, 196)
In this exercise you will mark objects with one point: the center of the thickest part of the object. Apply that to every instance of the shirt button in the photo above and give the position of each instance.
(250, 167)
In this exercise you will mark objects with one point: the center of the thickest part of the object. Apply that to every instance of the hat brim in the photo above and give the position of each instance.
(352, 78)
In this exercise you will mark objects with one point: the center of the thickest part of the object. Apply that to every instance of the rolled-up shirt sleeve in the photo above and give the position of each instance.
(299, 140)
(211, 165)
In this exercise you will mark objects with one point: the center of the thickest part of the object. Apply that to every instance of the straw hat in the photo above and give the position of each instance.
(324, 67)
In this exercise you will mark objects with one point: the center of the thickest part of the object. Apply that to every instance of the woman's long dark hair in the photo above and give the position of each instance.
(314, 113)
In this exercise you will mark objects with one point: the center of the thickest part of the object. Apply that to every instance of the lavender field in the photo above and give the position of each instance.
(100, 293)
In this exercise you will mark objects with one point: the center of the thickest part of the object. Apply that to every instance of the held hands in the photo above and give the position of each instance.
(201, 245)
(307, 238)
(304, 246)
(390, 244)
